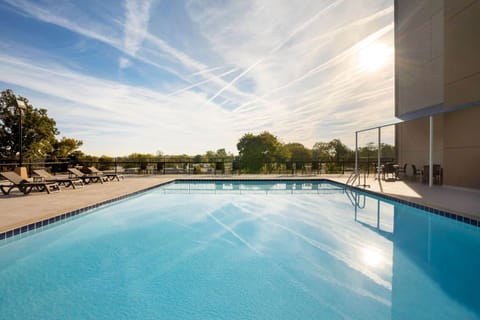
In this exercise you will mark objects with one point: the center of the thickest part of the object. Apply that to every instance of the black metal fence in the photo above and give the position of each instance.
(213, 167)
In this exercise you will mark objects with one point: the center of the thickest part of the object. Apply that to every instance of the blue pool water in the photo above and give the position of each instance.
(264, 250)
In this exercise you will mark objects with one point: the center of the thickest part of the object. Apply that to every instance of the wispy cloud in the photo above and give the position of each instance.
(126, 37)
(124, 62)
(108, 108)
(212, 72)
(98, 31)
(137, 15)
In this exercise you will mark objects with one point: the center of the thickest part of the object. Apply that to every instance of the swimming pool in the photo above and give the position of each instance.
(245, 250)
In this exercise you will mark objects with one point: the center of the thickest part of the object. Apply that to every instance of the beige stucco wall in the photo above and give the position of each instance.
(413, 141)
(438, 64)
(462, 148)
(456, 146)
(419, 55)
(462, 51)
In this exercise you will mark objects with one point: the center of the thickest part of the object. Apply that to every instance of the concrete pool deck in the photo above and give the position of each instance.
(17, 210)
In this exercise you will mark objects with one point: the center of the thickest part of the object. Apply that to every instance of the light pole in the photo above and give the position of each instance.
(20, 107)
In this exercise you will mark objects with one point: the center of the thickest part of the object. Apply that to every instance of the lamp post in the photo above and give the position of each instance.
(20, 106)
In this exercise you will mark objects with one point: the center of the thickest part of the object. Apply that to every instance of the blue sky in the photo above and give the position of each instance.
(191, 76)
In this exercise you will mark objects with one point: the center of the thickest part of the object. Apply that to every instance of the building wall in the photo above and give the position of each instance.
(462, 148)
(462, 52)
(438, 68)
(413, 137)
(462, 86)
(419, 54)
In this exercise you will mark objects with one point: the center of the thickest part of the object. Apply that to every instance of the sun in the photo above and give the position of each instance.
(374, 56)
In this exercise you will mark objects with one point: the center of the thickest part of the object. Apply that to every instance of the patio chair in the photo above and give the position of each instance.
(388, 168)
(402, 171)
(66, 182)
(87, 178)
(437, 174)
(110, 176)
(26, 186)
(416, 172)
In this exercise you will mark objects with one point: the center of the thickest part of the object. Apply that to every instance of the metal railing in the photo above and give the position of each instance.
(212, 167)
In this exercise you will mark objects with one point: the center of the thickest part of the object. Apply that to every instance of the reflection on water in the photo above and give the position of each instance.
(270, 250)
(265, 187)
(431, 262)
(372, 257)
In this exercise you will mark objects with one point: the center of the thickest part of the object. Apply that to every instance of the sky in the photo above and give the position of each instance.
(189, 76)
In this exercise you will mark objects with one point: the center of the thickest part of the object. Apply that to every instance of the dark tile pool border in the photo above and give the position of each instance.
(458, 217)
(40, 224)
(454, 216)
(63, 216)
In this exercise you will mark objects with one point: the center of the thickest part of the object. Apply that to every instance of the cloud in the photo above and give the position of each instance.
(123, 62)
(239, 66)
(106, 108)
(127, 37)
(75, 22)
(313, 80)
(137, 15)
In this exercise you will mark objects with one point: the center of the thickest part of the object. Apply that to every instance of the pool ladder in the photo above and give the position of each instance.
(353, 177)
(356, 199)
(357, 176)
(354, 196)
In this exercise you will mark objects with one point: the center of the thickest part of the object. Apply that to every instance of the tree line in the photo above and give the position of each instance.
(255, 151)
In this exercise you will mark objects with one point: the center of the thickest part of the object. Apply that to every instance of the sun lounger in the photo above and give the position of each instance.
(87, 178)
(110, 176)
(25, 186)
(66, 182)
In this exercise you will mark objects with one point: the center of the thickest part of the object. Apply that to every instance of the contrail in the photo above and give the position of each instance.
(277, 47)
(234, 234)
(332, 62)
(202, 82)
(208, 70)
(344, 28)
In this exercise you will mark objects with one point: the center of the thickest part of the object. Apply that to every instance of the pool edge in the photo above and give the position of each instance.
(56, 217)
(42, 222)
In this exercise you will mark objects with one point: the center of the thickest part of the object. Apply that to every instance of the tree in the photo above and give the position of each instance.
(105, 162)
(197, 158)
(333, 150)
(255, 150)
(39, 131)
(76, 156)
(387, 151)
(371, 150)
(137, 159)
(340, 150)
(210, 155)
(298, 152)
(64, 148)
(219, 155)
(322, 151)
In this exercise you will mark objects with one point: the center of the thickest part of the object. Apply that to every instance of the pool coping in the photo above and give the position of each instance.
(56, 217)
(42, 222)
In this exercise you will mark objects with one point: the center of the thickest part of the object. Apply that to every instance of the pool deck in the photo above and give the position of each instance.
(17, 210)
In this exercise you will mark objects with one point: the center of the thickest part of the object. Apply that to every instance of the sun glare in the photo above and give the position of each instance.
(375, 56)
(372, 257)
